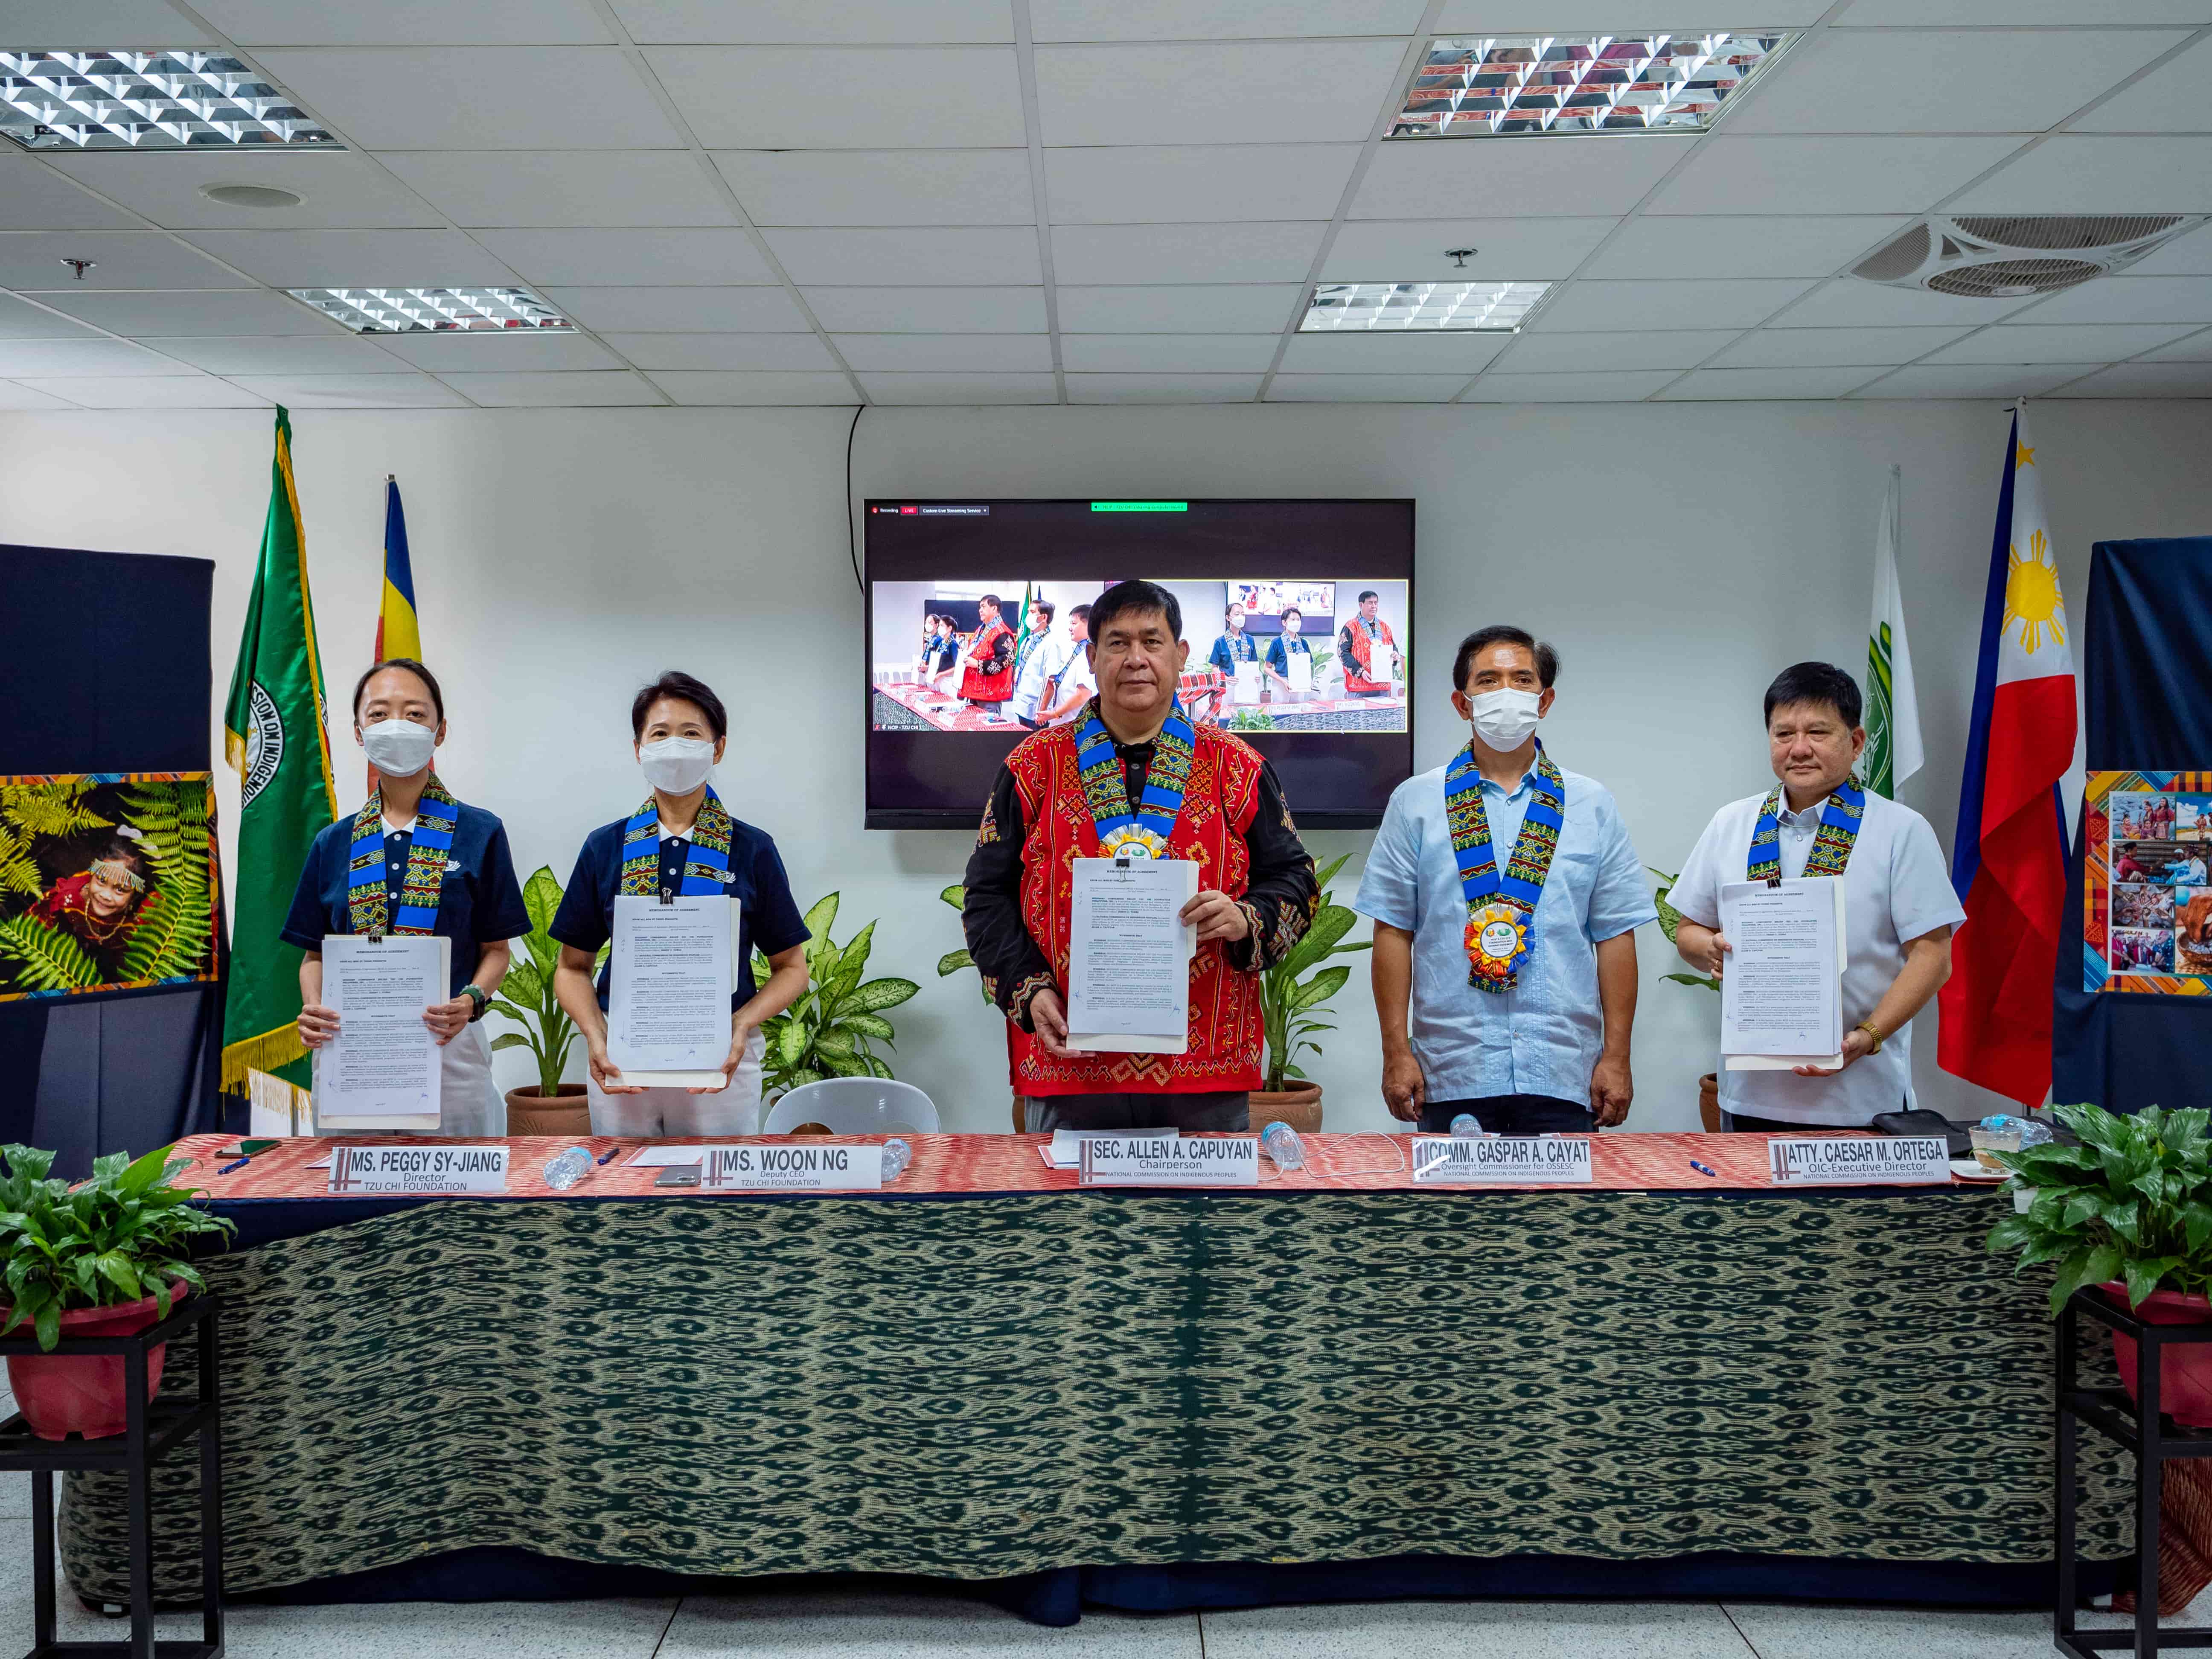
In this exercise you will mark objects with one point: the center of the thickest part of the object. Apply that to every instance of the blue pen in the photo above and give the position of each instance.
(610, 1152)
(240, 1164)
(1702, 1169)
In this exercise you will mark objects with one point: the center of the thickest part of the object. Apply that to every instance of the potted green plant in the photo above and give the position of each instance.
(104, 1257)
(525, 996)
(1670, 919)
(954, 962)
(1292, 994)
(831, 1030)
(2128, 1211)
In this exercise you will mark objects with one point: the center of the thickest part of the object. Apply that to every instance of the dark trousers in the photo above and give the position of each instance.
(1195, 1114)
(1510, 1114)
(1774, 1126)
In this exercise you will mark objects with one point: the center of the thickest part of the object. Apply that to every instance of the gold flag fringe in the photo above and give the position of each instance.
(265, 1053)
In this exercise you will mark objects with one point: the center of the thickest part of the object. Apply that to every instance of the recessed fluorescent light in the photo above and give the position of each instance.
(434, 310)
(1473, 86)
(1421, 307)
(183, 99)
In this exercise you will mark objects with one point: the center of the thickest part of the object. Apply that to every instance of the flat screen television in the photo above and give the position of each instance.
(1301, 574)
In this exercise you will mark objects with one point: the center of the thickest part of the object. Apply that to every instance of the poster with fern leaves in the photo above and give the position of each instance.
(108, 882)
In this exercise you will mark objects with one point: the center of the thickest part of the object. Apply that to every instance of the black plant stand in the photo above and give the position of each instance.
(2137, 1425)
(153, 1429)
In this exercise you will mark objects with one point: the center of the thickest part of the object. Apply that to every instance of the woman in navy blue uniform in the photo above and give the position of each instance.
(681, 840)
(1284, 646)
(414, 860)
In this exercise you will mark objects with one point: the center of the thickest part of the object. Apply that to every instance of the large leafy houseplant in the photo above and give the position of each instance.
(1670, 919)
(526, 995)
(2133, 1202)
(122, 1235)
(831, 1030)
(1297, 988)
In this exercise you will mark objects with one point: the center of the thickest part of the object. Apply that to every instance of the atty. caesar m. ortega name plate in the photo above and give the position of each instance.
(360, 1170)
(795, 1168)
(1516, 1160)
(1169, 1161)
(1859, 1160)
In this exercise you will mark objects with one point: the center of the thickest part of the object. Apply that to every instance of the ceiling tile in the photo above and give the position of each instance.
(1776, 173)
(1162, 388)
(555, 189)
(1590, 388)
(1726, 245)
(1827, 348)
(1942, 81)
(1911, 13)
(409, 391)
(56, 358)
(1510, 177)
(584, 389)
(1198, 354)
(676, 310)
(284, 354)
(1707, 384)
(2078, 343)
(1850, 302)
(13, 397)
(851, 23)
(707, 387)
(34, 197)
(989, 354)
(929, 310)
(354, 258)
(2130, 300)
(22, 320)
(960, 388)
(2190, 348)
(881, 187)
(1364, 388)
(657, 352)
(2170, 99)
(1662, 347)
(712, 257)
(1505, 250)
(1970, 381)
(255, 23)
(171, 392)
(66, 25)
(2145, 380)
(512, 351)
(1218, 20)
(31, 259)
(474, 97)
(1203, 183)
(988, 255)
(1183, 253)
(2067, 174)
(1306, 91)
(2189, 254)
(1179, 308)
(845, 97)
(1396, 353)
(1693, 302)
(146, 315)
(1606, 16)
(335, 188)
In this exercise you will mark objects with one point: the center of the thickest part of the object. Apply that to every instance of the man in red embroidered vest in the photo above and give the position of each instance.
(1257, 893)
(986, 676)
(1367, 651)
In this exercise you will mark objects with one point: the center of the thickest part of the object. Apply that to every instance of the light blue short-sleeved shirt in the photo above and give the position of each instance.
(1543, 1036)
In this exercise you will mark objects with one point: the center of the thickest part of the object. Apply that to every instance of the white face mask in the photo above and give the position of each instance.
(678, 765)
(1503, 719)
(399, 749)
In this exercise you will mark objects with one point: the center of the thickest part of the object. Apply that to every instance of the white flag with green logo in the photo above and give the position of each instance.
(1893, 711)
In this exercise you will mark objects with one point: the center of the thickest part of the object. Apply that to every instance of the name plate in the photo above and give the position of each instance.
(1859, 1160)
(1169, 1161)
(792, 1169)
(359, 1169)
(1519, 1160)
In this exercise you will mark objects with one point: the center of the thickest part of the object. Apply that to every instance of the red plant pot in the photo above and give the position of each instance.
(2185, 1373)
(62, 1394)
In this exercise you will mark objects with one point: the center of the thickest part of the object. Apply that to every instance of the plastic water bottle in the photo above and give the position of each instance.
(896, 1156)
(569, 1167)
(1466, 1124)
(1281, 1142)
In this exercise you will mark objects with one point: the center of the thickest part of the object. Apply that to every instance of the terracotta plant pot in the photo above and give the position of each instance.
(1709, 1102)
(2185, 1374)
(529, 1112)
(62, 1394)
(1300, 1108)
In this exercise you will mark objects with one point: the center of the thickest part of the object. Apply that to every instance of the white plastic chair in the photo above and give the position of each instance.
(854, 1106)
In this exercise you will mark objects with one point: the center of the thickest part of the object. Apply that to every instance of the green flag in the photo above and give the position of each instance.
(274, 738)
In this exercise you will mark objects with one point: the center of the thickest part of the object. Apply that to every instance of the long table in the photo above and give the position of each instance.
(1329, 1384)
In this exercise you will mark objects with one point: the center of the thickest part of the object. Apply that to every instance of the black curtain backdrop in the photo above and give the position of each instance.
(2146, 660)
(104, 668)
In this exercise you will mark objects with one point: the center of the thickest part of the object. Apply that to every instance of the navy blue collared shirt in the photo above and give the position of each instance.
(478, 901)
(767, 918)
(1279, 658)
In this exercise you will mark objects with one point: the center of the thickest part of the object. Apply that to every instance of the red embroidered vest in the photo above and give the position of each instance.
(1218, 805)
(975, 683)
(1366, 656)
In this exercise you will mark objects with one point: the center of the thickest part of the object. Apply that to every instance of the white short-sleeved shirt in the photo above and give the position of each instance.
(1044, 662)
(1896, 889)
(1542, 1037)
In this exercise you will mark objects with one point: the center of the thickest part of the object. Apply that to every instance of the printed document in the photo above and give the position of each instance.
(1782, 991)
(669, 989)
(1129, 952)
(382, 1070)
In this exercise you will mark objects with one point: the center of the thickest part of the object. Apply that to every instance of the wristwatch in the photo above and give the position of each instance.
(482, 998)
(1873, 1034)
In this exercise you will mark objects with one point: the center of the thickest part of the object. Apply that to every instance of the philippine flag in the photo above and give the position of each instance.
(2009, 861)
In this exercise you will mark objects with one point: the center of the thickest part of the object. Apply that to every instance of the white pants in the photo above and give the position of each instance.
(663, 1114)
(468, 1102)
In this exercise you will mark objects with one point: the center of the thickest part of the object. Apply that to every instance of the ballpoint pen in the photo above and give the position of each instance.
(1702, 1169)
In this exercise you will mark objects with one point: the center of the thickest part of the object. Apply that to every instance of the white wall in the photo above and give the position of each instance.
(1677, 555)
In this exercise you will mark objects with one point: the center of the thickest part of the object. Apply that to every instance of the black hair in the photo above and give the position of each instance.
(1137, 596)
(991, 600)
(1367, 593)
(1235, 605)
(1080, 613)
(437, 697)
(1290, 610)
(1815, 682)
(1049, 609)
(675, 682)
(1548, 660)
(126, 847)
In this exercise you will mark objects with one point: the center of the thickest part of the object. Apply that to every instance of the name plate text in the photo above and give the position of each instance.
(1517, 1160)
(1169, 1161)
(358, 1169)
(1859, 1160)
(792, 1169)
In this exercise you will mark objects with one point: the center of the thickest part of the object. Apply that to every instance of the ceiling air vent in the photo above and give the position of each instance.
(2009, 255)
